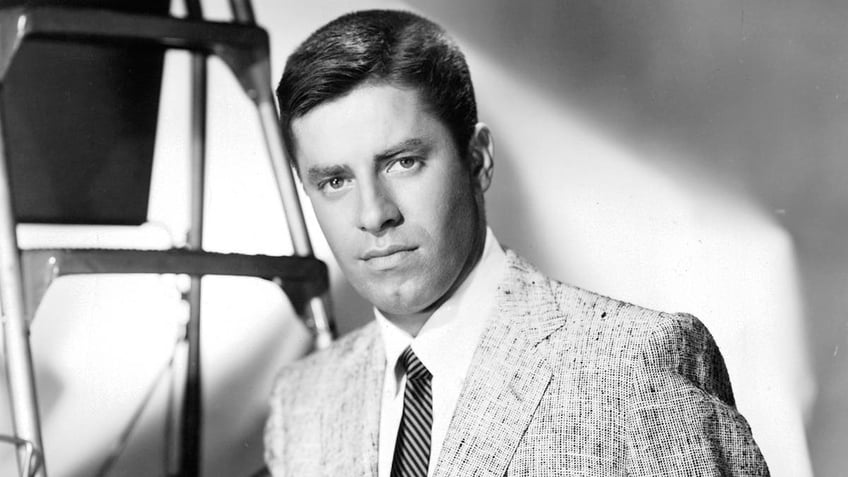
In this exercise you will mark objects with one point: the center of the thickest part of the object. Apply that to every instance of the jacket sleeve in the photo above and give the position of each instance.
(681, 415)
(275, 428)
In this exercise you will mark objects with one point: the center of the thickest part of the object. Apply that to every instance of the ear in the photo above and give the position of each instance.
(481, 152)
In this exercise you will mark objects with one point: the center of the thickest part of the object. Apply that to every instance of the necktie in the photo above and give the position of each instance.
(412, 448)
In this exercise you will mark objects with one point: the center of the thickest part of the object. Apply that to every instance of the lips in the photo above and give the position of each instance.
(383, 252)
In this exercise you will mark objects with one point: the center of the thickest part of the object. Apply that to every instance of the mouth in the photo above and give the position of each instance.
(384, 259)
(377, 254)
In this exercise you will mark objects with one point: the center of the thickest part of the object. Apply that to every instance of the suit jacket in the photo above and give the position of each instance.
(563, 382)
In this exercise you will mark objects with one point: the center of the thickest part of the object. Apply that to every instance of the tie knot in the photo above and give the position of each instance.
(413, 368)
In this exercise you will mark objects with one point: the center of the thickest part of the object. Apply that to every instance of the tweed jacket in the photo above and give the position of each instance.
(563, 382)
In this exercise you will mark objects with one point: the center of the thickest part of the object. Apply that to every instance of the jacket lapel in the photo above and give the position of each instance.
(507, 378)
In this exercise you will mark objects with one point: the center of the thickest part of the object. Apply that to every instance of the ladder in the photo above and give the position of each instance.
(26, 274)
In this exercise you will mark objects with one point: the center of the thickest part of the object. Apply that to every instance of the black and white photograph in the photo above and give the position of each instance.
(423, 239)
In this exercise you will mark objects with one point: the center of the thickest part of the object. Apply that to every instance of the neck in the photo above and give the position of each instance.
(411, 323)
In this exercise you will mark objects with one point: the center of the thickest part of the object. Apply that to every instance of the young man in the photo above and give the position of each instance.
(476, 364)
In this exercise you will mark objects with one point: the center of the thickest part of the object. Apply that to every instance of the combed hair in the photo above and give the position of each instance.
(391, 46)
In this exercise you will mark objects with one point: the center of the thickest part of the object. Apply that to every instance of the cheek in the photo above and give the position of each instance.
(334, 225)
(452, 219)
(459, 207)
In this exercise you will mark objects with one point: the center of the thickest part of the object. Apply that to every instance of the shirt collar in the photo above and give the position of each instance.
(446, 342)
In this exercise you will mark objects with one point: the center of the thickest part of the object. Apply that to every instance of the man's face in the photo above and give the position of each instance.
(399, 208)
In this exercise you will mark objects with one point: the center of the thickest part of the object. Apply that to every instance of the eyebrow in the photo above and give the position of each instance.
(316, 174)
(403, 146)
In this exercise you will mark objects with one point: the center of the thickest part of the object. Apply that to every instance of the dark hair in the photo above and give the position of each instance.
(379, 46)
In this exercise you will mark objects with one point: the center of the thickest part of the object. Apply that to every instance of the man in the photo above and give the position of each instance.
(476, 364)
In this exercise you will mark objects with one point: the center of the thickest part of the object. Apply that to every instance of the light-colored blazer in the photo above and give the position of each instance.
(563, 382)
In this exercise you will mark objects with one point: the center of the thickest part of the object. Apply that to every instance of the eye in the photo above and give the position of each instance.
(404, 164)
(333, 185)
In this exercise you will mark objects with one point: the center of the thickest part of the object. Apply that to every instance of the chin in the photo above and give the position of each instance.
(402, 302)
(399, 307)
(405, 296)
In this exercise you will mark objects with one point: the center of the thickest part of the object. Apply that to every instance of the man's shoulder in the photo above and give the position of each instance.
(581, 314)
(656, 379)
(579, 306)
(602, 333)
(345, 352)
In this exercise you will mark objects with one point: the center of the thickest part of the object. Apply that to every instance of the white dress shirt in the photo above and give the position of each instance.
(445, 345)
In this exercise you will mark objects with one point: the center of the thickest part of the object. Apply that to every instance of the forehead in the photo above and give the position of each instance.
(365, 122)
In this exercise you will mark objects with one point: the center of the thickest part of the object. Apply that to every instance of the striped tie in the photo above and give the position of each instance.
(412, 448)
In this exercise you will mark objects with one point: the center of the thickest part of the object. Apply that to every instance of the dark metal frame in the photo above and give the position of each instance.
(244, 48)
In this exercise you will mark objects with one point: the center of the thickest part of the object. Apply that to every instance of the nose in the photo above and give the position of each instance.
(377, 210)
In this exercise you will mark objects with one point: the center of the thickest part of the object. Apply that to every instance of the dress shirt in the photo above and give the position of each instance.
(445, 345)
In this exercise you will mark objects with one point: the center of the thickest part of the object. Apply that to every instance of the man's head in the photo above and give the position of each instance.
(379, 46)
(395, 174)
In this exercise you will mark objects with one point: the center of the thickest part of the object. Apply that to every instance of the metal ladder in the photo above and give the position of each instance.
(25, 274)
